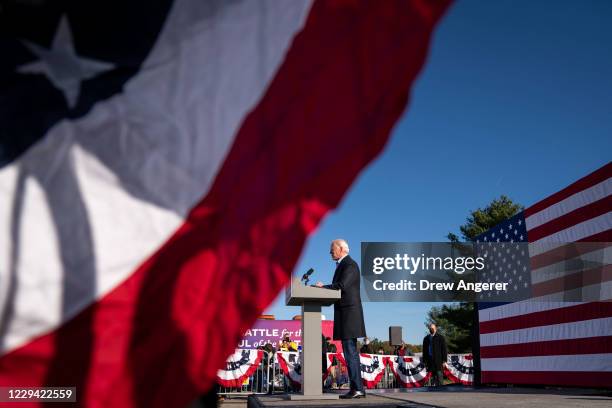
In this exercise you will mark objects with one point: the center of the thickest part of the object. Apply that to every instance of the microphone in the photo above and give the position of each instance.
(307, 274)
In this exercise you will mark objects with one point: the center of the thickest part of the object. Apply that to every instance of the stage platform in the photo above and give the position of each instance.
(447, 397)
(372, 400)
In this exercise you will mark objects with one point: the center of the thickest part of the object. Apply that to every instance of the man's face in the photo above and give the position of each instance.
(335, 251)
(432, 329)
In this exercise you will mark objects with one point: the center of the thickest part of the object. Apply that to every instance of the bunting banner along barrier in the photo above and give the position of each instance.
(289, 362)
(238, 367)
(409, 371)
(460, 369)
(329, 360)
(372, 367)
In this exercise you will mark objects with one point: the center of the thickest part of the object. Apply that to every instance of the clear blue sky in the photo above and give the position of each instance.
(515, 99)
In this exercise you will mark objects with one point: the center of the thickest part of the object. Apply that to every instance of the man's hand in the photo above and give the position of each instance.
(319, 284)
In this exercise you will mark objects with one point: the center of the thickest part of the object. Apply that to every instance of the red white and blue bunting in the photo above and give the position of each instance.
(409, 371)
(289, 362)
(238, 367)
(330, 361)
(372, 367)
(460, 369)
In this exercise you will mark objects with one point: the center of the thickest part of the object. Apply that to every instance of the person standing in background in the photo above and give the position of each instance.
(288, 345)
(366, 348)
(435, 354)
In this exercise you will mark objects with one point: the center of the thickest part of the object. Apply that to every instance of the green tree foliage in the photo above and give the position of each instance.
(454, 320)
(483, 219)
(376, 344)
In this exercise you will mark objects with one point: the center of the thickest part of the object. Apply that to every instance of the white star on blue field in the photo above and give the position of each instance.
(62, 65)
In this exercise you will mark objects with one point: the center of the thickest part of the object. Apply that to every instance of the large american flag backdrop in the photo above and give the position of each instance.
(161, 166)
(550, 339)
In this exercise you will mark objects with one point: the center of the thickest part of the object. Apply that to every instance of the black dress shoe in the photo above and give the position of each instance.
(353, 394)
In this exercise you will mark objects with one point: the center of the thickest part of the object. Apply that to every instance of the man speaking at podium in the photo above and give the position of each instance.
(348, 313)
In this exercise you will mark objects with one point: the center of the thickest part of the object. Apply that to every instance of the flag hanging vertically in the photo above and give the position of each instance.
(551, 338)
(161, 165)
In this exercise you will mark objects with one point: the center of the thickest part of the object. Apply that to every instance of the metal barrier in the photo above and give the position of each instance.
(268, 378)
(257, 383)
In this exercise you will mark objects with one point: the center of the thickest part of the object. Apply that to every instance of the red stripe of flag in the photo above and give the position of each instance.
(590, 180)
(572, 218)
(586, 311)
(565, 252)
(572, 378)
(576, 280)
(588, 345)
(604, 236)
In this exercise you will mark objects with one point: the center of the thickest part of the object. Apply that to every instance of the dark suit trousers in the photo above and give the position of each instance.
(437, 375)
(353, 364)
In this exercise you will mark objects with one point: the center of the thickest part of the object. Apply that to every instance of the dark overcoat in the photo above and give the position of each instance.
(439, 352)
(348, 312)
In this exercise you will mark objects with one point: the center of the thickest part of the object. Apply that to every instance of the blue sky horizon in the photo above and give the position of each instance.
(515, 98)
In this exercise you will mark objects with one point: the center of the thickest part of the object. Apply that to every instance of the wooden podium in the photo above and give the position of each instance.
(311, 299)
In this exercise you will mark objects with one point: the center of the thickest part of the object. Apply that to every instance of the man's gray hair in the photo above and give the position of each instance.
(342, 244)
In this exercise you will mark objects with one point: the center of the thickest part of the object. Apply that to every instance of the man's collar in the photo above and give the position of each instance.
(340, 260)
